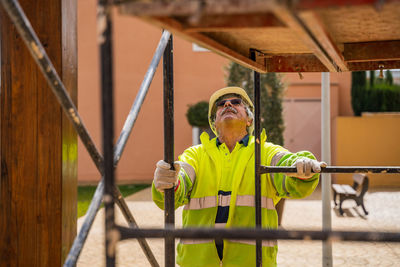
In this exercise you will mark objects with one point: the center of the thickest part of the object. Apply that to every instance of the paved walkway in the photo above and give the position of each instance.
(384, 215)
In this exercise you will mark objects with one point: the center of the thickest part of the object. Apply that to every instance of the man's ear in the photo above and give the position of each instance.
(249, 122)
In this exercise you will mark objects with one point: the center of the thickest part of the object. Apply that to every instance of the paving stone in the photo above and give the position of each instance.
(384, 215)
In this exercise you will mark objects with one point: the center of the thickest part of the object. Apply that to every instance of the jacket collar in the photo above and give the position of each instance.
(244, 141)
(247, 140)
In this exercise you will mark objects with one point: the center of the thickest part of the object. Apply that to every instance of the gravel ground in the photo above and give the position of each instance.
(384, 215)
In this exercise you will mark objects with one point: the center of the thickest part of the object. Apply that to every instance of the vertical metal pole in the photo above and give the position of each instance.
(326, 156)
(257, 104)
(169, 198)
(105, 41)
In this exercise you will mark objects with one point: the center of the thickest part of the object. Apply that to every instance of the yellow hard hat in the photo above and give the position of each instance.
(226, 91)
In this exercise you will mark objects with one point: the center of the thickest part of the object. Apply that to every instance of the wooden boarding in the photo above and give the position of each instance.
(38, 149)
(288, 36)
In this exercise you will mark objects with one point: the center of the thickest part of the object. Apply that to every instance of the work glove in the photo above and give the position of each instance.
(164, 177)
(306, 168)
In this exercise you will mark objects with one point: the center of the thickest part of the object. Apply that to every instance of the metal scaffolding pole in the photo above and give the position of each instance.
(119, 148)
(106, 60)
(169, 197)
(326, 177)
(257, 154)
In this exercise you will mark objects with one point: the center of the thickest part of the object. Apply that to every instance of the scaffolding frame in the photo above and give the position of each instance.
(106, 164)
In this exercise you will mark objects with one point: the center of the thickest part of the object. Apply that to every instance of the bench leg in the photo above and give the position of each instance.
(334, 198)
(365, 211)
(340, 206)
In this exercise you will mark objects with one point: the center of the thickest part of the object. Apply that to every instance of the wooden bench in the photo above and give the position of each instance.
(356, 192)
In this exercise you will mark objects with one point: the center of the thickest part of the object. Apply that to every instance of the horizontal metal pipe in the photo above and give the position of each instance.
(134, 112)
(336, 169)
(253, 234)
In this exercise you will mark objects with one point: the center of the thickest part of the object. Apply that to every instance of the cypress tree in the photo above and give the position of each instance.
(389, 77)
(271, 98)
(358, 90)
(371, 78)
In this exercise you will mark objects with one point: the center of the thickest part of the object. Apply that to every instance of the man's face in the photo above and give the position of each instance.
(231, 110)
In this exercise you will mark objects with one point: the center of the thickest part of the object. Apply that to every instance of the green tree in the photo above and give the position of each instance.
(371, 78)
(389, 77)
(379, 96)
(271, 98)
(358, 90)
(197, 114)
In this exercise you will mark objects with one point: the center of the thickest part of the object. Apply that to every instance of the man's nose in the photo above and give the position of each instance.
(228, 102)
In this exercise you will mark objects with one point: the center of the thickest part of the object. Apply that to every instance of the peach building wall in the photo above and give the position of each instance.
(196, 76)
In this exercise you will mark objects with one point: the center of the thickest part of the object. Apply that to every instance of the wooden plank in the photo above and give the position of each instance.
(210, 23)
(34, 220)
(359, 177)
(372, 51)
(320, 32)
(298, 28)
(348, 189)
(294, 63)
(194, 7)
(69, 141)
(338, 188)
(201, 39)
(312, 4)
(373, 65)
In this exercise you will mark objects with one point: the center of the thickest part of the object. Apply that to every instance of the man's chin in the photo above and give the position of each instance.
(229, 116)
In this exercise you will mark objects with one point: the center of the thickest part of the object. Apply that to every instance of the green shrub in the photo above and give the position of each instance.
(197, 114)
(379, 96)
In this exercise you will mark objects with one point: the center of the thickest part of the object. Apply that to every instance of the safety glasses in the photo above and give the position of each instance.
(235, 102)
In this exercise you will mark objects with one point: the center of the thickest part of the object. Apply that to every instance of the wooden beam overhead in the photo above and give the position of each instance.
(320, 33)
(294, 63)
(207, 42)
(331, 30)
(211, 23)
(312, 4)
(372, 51)
(299, 28)
(373, 65)
(194, 7)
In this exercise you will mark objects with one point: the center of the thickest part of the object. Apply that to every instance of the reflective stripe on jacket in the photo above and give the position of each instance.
(201, 200)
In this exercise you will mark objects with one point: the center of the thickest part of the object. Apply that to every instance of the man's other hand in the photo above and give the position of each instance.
(306, 168)
(164, 177)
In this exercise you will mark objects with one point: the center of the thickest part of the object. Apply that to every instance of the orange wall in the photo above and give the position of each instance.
(196, 76)
(369, 141)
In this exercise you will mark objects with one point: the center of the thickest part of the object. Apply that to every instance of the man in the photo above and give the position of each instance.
(215, 183)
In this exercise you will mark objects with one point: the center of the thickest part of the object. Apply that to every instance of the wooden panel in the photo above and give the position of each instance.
(207, 42)
(373, 65)
(294, 63)
(279, 39)
(182, 8)
(313, 22)
(231, 28)
(372, 51)
(32, 214)
(209, 23)
(365, 23)
(69, 137)
(297, 26)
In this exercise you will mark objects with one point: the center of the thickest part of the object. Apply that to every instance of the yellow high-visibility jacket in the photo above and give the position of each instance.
(226, 180)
